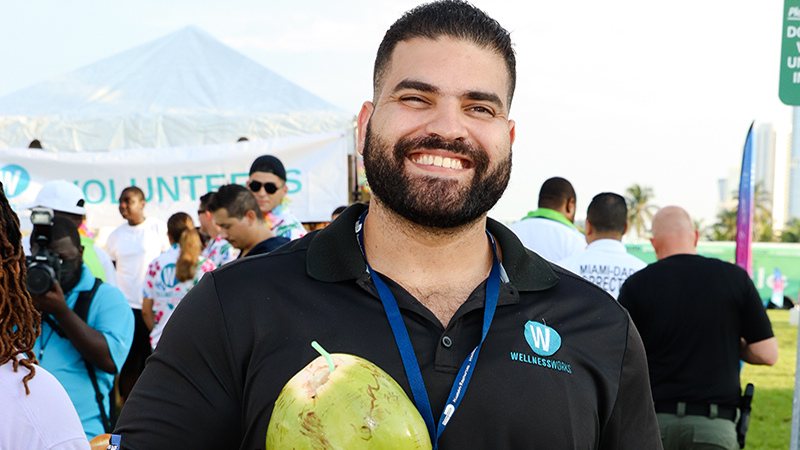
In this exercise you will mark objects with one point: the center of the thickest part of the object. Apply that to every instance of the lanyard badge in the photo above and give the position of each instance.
(407, 355)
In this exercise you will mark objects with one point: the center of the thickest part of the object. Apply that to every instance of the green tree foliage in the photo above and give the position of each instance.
(725, 227)
(640, 208)
(791, 231)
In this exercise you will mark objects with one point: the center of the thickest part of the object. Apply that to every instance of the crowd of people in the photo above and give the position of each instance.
(522, 323)
(106, 308)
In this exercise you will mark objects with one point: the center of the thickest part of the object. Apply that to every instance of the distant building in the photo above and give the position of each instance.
(776, 171)
(793, 171)
(728, 190)
(764, 137)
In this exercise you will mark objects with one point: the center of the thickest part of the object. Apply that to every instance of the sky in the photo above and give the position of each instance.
(608, 93)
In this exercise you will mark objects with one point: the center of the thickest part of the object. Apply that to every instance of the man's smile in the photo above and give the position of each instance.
(438, 160)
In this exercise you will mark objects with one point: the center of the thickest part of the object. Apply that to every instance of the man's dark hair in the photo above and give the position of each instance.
(205, 200)
(555, 193)
(62, 227)
(339, 210)
(453, 18)
(608, 213)
(136, 191)
(236, 200)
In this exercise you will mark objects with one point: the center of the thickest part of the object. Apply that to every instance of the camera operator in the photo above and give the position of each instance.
(67, 200)
(74, 349)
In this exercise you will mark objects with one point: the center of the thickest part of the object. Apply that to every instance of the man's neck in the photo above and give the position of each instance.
(439, 267)
(212, 233)
(599, 236)
(260, 234)
(138, 220)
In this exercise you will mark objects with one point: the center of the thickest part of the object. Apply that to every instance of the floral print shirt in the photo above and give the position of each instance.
(161, 286)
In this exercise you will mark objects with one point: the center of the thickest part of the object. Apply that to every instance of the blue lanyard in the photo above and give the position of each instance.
(407, 350)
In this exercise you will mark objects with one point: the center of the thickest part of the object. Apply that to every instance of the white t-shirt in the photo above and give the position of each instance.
(606, 263)
(43, 420)
(550, 239)
(133, 247)
(161, 286)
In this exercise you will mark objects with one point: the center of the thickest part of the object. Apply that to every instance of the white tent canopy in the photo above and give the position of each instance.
(184, 89)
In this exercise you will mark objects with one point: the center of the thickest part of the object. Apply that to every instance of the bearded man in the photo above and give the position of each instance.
(417, 284)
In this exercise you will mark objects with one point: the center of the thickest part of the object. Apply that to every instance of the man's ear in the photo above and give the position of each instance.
(655, 247)
(570, 205)
(363, 120)
(512, 131)
(589, 228)
(626, 228)
(250, 216)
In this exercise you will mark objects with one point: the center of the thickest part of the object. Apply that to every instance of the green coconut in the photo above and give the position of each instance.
(344, 402)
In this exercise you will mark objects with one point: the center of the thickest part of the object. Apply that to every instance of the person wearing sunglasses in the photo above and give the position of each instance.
(268, 183)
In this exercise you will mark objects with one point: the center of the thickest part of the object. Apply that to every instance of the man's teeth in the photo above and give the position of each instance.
(438, 161)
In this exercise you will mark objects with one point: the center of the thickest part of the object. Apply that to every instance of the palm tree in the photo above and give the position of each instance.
(640, 210)
(725, 228)
(762, 217)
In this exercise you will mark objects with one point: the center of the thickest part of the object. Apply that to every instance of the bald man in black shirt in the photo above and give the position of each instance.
(697, 317)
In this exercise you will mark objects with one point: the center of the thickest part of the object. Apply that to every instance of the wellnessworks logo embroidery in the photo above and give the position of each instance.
(544, 341)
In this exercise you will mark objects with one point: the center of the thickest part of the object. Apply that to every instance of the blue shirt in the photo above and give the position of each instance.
(110, 314)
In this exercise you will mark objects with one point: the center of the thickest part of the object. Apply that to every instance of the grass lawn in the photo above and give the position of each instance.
(770, 422)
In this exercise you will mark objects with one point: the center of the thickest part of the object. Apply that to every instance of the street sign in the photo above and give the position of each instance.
(789, 90)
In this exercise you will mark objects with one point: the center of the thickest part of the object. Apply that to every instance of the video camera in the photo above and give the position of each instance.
(44, 266)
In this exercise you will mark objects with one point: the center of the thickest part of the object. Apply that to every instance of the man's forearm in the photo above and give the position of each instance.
(90, 343)
(147, 313)
(763, 352)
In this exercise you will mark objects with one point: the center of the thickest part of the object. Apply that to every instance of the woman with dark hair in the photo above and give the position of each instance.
(36, 413)
(170, 276)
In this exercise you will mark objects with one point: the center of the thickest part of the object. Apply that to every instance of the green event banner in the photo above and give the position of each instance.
(766, 258)
(789, 90)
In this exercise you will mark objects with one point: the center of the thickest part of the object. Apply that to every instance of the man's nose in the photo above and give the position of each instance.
(448, 121)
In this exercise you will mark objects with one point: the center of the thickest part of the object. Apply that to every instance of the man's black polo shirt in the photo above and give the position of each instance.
(266, 246)
(561, 368)
(692, 312)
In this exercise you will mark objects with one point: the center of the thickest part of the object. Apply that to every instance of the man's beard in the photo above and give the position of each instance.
(429, 201)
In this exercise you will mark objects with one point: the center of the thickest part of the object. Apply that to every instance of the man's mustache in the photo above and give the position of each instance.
(405, 146)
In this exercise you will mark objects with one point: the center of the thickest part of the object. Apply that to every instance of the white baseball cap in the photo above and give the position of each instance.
(60, 195)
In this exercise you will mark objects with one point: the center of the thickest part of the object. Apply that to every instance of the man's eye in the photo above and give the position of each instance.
(413, 99)
(482, 110)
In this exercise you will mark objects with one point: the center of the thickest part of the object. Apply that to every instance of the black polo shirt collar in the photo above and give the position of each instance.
(334, 254)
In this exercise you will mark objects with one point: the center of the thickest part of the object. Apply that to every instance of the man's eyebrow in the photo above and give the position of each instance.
(490, 97)
(417, 86)
(422, 86)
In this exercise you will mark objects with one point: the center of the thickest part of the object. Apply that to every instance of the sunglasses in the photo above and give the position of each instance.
(271, 188)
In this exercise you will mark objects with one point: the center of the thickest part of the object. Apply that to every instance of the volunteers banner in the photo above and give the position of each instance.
(173, 179)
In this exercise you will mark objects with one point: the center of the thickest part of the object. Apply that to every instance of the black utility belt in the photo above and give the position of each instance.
(696, 409)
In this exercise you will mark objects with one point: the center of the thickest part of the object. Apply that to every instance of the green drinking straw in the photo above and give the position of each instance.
(327, 355)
